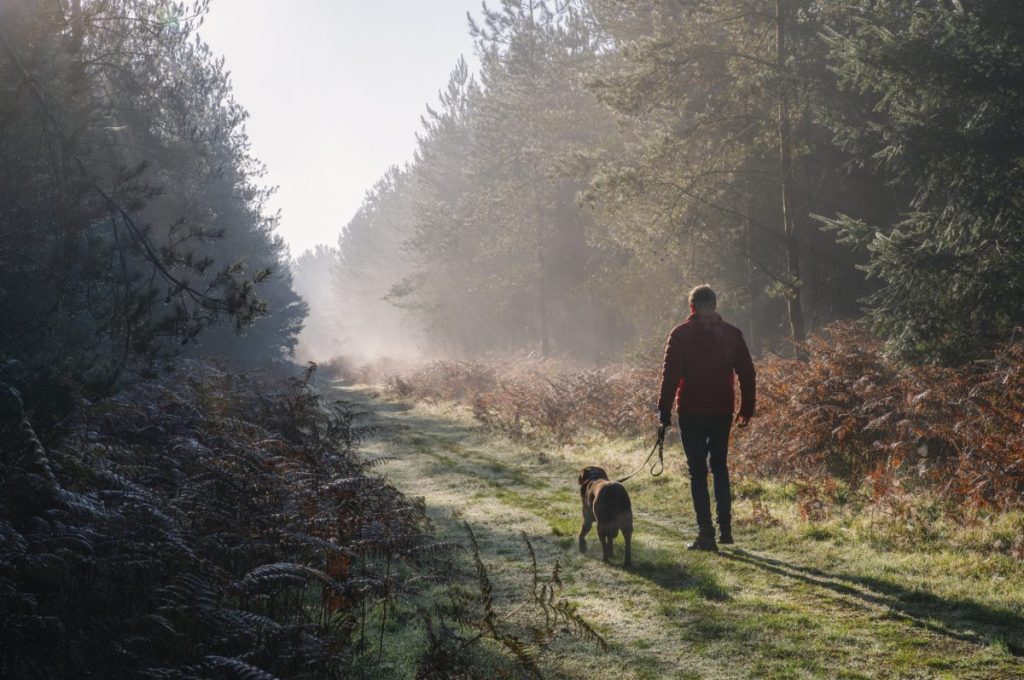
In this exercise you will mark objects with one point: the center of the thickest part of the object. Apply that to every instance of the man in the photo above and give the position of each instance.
(700, 358)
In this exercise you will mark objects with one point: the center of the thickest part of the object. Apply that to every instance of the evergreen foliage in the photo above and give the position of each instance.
(322, 333)
(131, 215)
(611, 154)
(941, 89)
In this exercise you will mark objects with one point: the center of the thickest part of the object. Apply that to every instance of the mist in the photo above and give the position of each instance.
(549, 211)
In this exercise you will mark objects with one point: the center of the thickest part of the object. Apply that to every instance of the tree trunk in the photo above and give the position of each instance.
(542, 301)
(77, 26)
(748, 229)
(751, 290)
(796, 315)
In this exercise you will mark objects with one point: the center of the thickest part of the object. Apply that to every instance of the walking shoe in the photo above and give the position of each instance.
(706, 543)
(725, 538)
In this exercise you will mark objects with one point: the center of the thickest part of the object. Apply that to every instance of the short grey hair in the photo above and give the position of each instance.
(703, 298)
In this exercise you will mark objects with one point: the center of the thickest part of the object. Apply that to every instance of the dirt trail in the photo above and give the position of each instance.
(754, 611)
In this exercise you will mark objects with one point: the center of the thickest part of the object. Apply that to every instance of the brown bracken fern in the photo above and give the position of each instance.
(523, 629)
(848, 413)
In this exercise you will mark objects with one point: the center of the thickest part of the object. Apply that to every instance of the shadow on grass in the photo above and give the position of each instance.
(658, 565)
(955, 618)
(663, 567)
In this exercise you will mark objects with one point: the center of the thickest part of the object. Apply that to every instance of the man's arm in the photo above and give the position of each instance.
(744, 367)
(671, 374)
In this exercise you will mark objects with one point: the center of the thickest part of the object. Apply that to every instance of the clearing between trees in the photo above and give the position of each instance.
(838, 598)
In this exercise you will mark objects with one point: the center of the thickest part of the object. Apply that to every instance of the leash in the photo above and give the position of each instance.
(658, 465)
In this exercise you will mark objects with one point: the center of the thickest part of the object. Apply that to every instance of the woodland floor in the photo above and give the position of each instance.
(792, 599)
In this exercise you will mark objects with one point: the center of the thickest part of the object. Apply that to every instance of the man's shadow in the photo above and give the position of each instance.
(662, 567)
(959, 619)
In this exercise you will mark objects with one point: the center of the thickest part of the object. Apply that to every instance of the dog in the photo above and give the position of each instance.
(607, 503)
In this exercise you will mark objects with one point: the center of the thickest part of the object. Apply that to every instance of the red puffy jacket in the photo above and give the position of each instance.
(700, 358)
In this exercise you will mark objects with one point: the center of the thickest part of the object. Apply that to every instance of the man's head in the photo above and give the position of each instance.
(703, 299)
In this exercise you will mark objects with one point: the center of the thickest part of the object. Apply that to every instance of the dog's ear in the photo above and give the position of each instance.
(583, 476)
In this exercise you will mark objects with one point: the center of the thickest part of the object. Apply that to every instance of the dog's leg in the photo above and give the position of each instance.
(587, 523)
(627, 537)
(606, 542)
(588, 518)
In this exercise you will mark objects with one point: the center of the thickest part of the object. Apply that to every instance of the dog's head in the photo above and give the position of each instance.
(589, 474)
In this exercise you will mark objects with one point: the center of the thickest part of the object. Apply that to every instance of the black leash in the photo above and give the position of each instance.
(659, 446)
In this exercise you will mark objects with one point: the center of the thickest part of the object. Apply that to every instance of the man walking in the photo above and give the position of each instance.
(700, 358)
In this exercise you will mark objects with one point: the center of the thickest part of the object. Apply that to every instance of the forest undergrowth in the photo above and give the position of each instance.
(206, 524)
(193, 525)
(849, 429)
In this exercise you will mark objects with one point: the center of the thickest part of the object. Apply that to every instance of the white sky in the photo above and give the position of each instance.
(334, 90)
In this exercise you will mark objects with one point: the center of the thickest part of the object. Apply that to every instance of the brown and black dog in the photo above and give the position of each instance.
(607, 503)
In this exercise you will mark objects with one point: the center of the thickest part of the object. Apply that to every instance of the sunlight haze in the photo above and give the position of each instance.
(334, 92)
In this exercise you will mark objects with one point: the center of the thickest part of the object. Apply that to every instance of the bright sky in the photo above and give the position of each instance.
(335, 89)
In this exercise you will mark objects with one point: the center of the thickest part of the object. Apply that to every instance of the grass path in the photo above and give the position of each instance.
(790, 600)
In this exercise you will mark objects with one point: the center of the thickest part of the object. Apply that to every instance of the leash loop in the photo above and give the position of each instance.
(659, 464)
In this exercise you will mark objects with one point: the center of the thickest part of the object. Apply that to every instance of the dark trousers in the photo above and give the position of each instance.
(707, 438)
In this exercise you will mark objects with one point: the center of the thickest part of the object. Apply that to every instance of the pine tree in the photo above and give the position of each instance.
(732, 156)
(131, 218)
(940, 86)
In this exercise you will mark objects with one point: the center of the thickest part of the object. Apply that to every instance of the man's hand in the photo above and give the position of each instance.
(665, 418)
(742, 420)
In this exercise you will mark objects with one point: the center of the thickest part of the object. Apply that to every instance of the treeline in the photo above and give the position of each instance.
(133, 224)
(813, 159)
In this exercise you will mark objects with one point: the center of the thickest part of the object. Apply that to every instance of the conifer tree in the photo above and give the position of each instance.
(940, 87)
